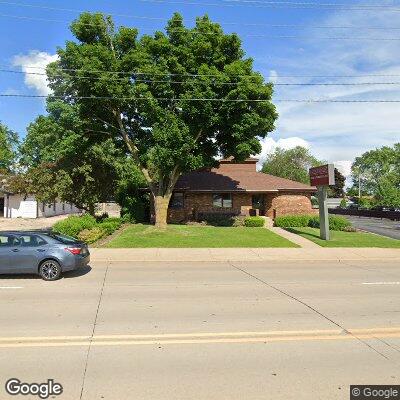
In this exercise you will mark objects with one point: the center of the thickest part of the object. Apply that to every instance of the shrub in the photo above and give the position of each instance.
(72, 225)
(293, 221)
(110, 226)
(343, 203)
(254, 222)
(91, 235)
(336, 223)
(217, 219)
(238, 221)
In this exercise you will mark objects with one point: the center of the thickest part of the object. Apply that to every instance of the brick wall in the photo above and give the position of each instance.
(283, 203)
(289, 203)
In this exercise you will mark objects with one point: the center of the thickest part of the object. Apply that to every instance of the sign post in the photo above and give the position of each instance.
(322, 177)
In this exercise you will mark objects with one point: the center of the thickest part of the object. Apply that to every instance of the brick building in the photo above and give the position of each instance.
(237, 189)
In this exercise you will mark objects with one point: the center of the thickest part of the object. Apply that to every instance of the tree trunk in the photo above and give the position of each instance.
(161, 204)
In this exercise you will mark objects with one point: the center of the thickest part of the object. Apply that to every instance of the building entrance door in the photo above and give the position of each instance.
(258, 203)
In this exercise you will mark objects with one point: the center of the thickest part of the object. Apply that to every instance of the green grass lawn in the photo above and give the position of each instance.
(145, 236)
(347, 239)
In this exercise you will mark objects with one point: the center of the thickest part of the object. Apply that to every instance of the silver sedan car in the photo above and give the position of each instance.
(45, 253)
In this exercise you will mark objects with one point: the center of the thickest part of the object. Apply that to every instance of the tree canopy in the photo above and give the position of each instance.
(291, 164)
(177, 99)
(64, 159)
(8, 148)
(379, 174)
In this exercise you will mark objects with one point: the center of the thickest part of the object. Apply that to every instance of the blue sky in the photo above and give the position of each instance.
(336, 132)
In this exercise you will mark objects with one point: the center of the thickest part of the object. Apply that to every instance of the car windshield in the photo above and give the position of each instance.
(63, 238)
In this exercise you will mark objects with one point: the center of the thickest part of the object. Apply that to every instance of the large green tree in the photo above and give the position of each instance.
(377, 173)
(291, 164)
(177, 99)
(8, 148)
(65, 159)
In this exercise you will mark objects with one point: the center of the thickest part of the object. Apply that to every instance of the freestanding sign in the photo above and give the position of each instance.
(322, 177)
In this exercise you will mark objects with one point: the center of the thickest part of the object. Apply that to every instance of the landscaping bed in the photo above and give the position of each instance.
(346, 239)
(87, 228)
(184, 236)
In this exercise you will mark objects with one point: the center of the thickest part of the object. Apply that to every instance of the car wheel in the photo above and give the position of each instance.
(50, 270)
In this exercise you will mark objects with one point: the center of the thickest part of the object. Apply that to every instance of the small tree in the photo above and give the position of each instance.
(177, 99)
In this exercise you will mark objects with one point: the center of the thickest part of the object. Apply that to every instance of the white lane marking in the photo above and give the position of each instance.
(381, 283)
(11, 287)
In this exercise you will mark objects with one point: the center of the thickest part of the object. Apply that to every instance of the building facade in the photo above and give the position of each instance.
(237, 189)
(17, 206)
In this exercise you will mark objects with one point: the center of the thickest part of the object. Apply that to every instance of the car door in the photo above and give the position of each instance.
(8, 245)
(29, 253)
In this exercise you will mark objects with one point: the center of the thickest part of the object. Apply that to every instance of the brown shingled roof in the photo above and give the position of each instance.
(237, 177)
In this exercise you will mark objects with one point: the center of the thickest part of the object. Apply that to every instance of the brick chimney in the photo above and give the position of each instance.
(229, 164)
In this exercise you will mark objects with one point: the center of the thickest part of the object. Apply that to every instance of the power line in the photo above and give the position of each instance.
(213, 75)
(219, 83)
(229, 3)
(197, 99)
(280, 5)
(266, 25)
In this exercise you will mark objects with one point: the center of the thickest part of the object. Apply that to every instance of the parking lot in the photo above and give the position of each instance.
(384, 227)
(205, 330)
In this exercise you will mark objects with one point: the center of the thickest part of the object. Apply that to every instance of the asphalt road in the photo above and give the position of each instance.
(206, 330)
(384, 227)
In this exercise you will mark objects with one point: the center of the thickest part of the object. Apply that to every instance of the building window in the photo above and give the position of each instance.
(176, 200)
(222, 200)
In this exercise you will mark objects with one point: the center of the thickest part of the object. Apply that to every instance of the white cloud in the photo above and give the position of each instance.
(268, 145)
(344, 166)
(32, 63)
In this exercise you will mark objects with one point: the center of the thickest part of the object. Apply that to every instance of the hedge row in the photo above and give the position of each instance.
(87, 228)
(219, 219)
(336, 223)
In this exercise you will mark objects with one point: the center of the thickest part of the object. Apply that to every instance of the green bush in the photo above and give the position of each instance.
(343, 203)
(72, 225)
(217, 219)
(336, 223)
(92, 235)
(293, 221)
(254, 222)
(110, 226)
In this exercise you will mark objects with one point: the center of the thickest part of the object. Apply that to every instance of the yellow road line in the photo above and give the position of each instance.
(199, 338)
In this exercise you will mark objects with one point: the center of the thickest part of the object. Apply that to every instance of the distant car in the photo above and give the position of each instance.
(44, 253)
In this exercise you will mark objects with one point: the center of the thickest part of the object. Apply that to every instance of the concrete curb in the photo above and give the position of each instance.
(245, 254)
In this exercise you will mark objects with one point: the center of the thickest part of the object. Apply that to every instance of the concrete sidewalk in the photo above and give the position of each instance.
(246, 254)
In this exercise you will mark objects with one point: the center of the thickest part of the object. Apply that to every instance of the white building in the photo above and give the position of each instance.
(17, 206)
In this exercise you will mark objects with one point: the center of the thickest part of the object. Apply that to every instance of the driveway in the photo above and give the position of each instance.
(384, 227)
(22, 224)
(208, 330)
